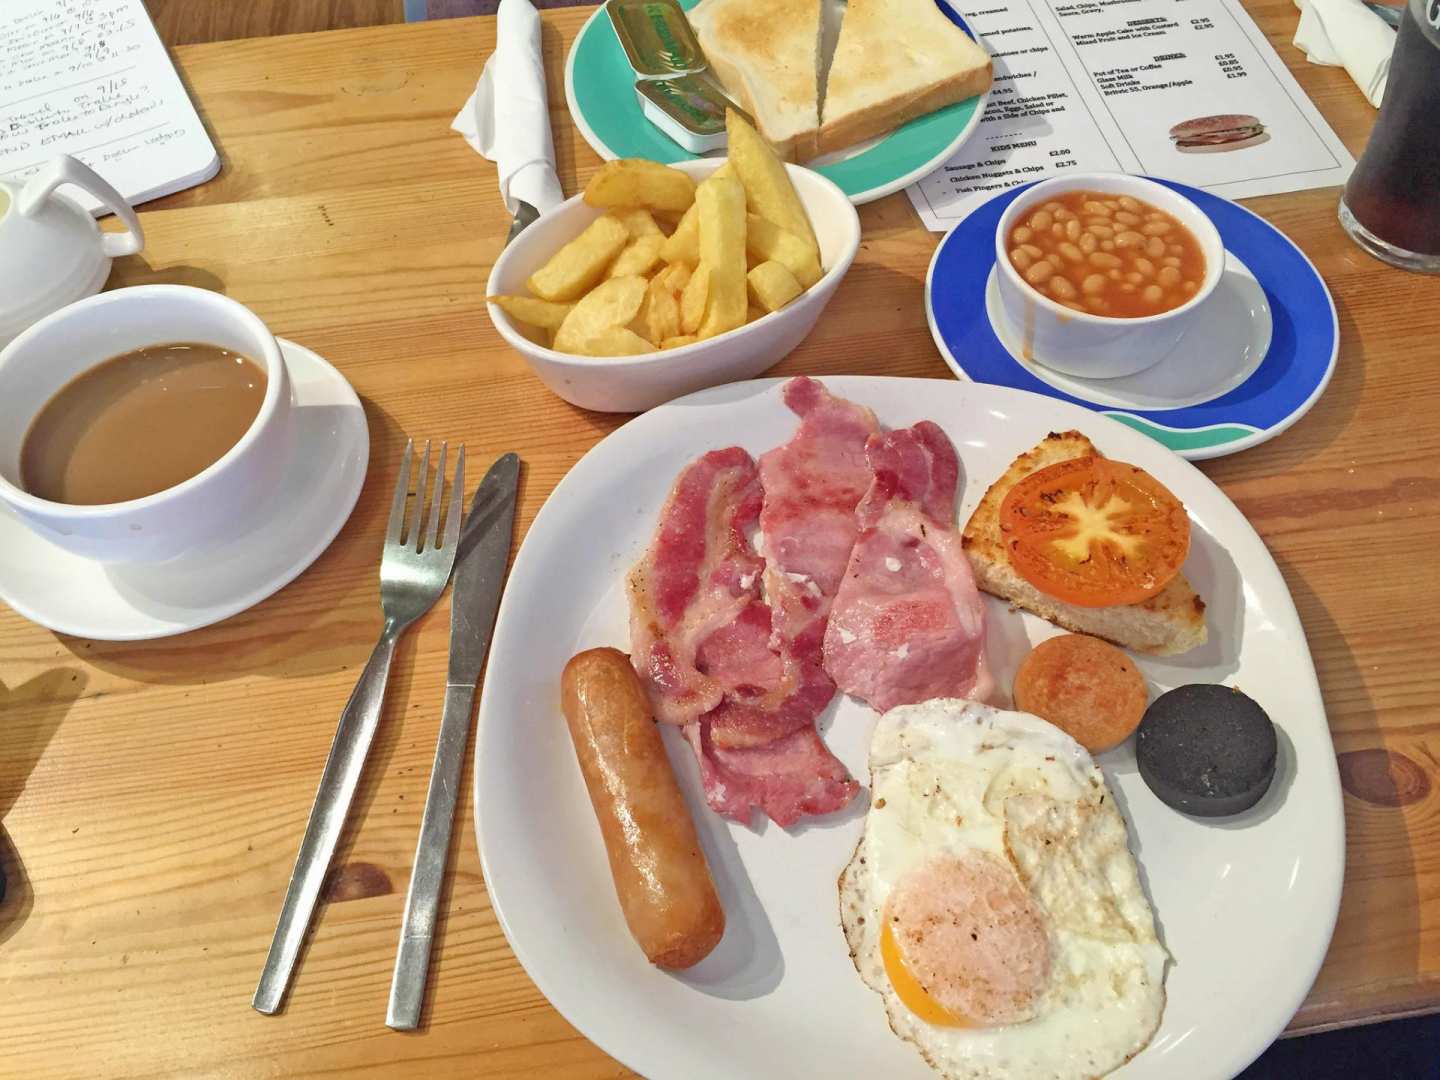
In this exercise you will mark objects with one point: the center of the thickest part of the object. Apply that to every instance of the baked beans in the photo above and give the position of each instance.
(1106, 254)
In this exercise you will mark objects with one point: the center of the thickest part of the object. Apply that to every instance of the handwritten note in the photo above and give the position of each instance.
(90, 78)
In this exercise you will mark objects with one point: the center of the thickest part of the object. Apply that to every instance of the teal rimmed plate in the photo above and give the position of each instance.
(600, 90)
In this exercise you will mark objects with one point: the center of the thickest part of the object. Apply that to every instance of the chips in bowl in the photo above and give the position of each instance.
(742, 247)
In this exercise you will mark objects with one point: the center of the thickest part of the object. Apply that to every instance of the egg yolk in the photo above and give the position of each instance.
(908, 988)
(964, 943)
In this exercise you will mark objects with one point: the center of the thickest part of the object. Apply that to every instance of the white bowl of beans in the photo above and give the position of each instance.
(1101, 274)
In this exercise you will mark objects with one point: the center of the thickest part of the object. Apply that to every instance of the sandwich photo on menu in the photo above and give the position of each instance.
(1217, 134)
(893, 61)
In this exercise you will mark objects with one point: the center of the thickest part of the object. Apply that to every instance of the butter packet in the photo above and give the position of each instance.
(676, 90)
(657, 37)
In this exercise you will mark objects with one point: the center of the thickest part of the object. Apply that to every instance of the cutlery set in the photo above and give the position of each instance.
(421, 554)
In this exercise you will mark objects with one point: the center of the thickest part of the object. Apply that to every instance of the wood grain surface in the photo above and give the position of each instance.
(153, 794)
(187, 22)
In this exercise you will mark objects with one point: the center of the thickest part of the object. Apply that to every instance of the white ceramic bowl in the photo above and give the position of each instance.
(637, 383)
(216, 503)
(1097, 346)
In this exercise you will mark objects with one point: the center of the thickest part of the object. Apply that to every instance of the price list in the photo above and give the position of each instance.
(1185, 89)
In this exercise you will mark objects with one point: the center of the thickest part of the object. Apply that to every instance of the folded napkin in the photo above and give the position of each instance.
(507, 119)
(1345, 33)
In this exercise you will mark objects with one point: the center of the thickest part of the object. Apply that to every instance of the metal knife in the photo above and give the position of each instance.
(474, 598)
(525, 216)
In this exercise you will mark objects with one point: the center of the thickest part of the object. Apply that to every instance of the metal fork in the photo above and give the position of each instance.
(413, 573)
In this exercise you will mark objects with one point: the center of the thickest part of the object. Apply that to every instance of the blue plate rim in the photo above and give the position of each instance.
(1158, 423)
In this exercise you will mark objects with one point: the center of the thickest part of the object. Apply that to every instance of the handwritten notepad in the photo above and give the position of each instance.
(90, 78)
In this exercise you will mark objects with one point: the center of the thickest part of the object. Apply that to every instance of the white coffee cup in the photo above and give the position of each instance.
(1097, 346)
(51, 251)
(213, 505)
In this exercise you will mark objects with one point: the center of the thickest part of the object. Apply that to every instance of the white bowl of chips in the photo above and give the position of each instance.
(622, 319)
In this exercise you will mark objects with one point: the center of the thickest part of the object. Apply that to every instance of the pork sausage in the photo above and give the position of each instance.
(661, 876)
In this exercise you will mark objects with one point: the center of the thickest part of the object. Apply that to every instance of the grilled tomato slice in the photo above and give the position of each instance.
(1095, 532)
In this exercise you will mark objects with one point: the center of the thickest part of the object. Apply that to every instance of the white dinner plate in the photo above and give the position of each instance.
(1246, 905)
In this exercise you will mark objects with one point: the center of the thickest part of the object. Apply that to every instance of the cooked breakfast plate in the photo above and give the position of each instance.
(599, 89)
(1257, 363)
(1244, 905)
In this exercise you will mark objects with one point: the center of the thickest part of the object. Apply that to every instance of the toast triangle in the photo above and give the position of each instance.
(896, 60)
(767, 57)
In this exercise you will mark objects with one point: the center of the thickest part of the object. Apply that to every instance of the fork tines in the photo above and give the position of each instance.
(413, 535)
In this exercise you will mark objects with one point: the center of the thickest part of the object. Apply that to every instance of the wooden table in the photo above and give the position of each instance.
(154, 794)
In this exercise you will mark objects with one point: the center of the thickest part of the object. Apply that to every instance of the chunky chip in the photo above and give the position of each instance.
(610, 304)
(637, 258)
(614, 341)
(635, 182)
(693, 299)
(659, 315)
(768, 242)
(638, 222)
(721, 202)
(534, 312)
(683, 245)
(772, 286)
(676, 276)
(580, 263)
(768, 189)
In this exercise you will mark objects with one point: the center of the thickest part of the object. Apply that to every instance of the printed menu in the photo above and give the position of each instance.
(90, 78)
(1184, 89)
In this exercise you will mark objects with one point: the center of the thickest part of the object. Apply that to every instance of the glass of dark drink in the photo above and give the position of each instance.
(1391, 206)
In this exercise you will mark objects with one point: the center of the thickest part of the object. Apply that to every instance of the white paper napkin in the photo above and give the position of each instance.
(1345, 33)
(507, 119)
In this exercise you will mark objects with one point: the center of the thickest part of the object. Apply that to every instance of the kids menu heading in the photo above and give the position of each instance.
(1184, 89)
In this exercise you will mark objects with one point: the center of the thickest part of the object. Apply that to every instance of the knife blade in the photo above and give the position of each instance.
(474, 599)
(480, 569)
(525, 216)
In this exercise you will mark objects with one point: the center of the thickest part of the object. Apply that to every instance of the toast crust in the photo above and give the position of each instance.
(1170, 622)
(893, 112)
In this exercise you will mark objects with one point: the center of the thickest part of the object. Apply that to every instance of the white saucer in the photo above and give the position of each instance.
(1233, 339)
(313, 497)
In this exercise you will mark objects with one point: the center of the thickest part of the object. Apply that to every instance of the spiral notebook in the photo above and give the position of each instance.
(91, 78)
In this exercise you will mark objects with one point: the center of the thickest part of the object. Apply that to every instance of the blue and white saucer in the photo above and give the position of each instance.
(1256, 363)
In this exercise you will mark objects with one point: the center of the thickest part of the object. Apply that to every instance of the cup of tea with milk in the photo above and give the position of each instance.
(143, 423)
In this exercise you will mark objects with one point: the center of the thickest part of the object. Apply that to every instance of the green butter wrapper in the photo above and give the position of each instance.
(656, 37)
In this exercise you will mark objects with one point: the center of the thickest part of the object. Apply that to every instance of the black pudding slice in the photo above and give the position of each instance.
(1206, 750)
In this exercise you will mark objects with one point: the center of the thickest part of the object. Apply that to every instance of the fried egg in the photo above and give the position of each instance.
(993, 902)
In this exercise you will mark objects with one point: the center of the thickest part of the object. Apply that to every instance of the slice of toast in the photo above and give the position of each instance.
(896, 60)
(766, 54)
(1172, 621)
